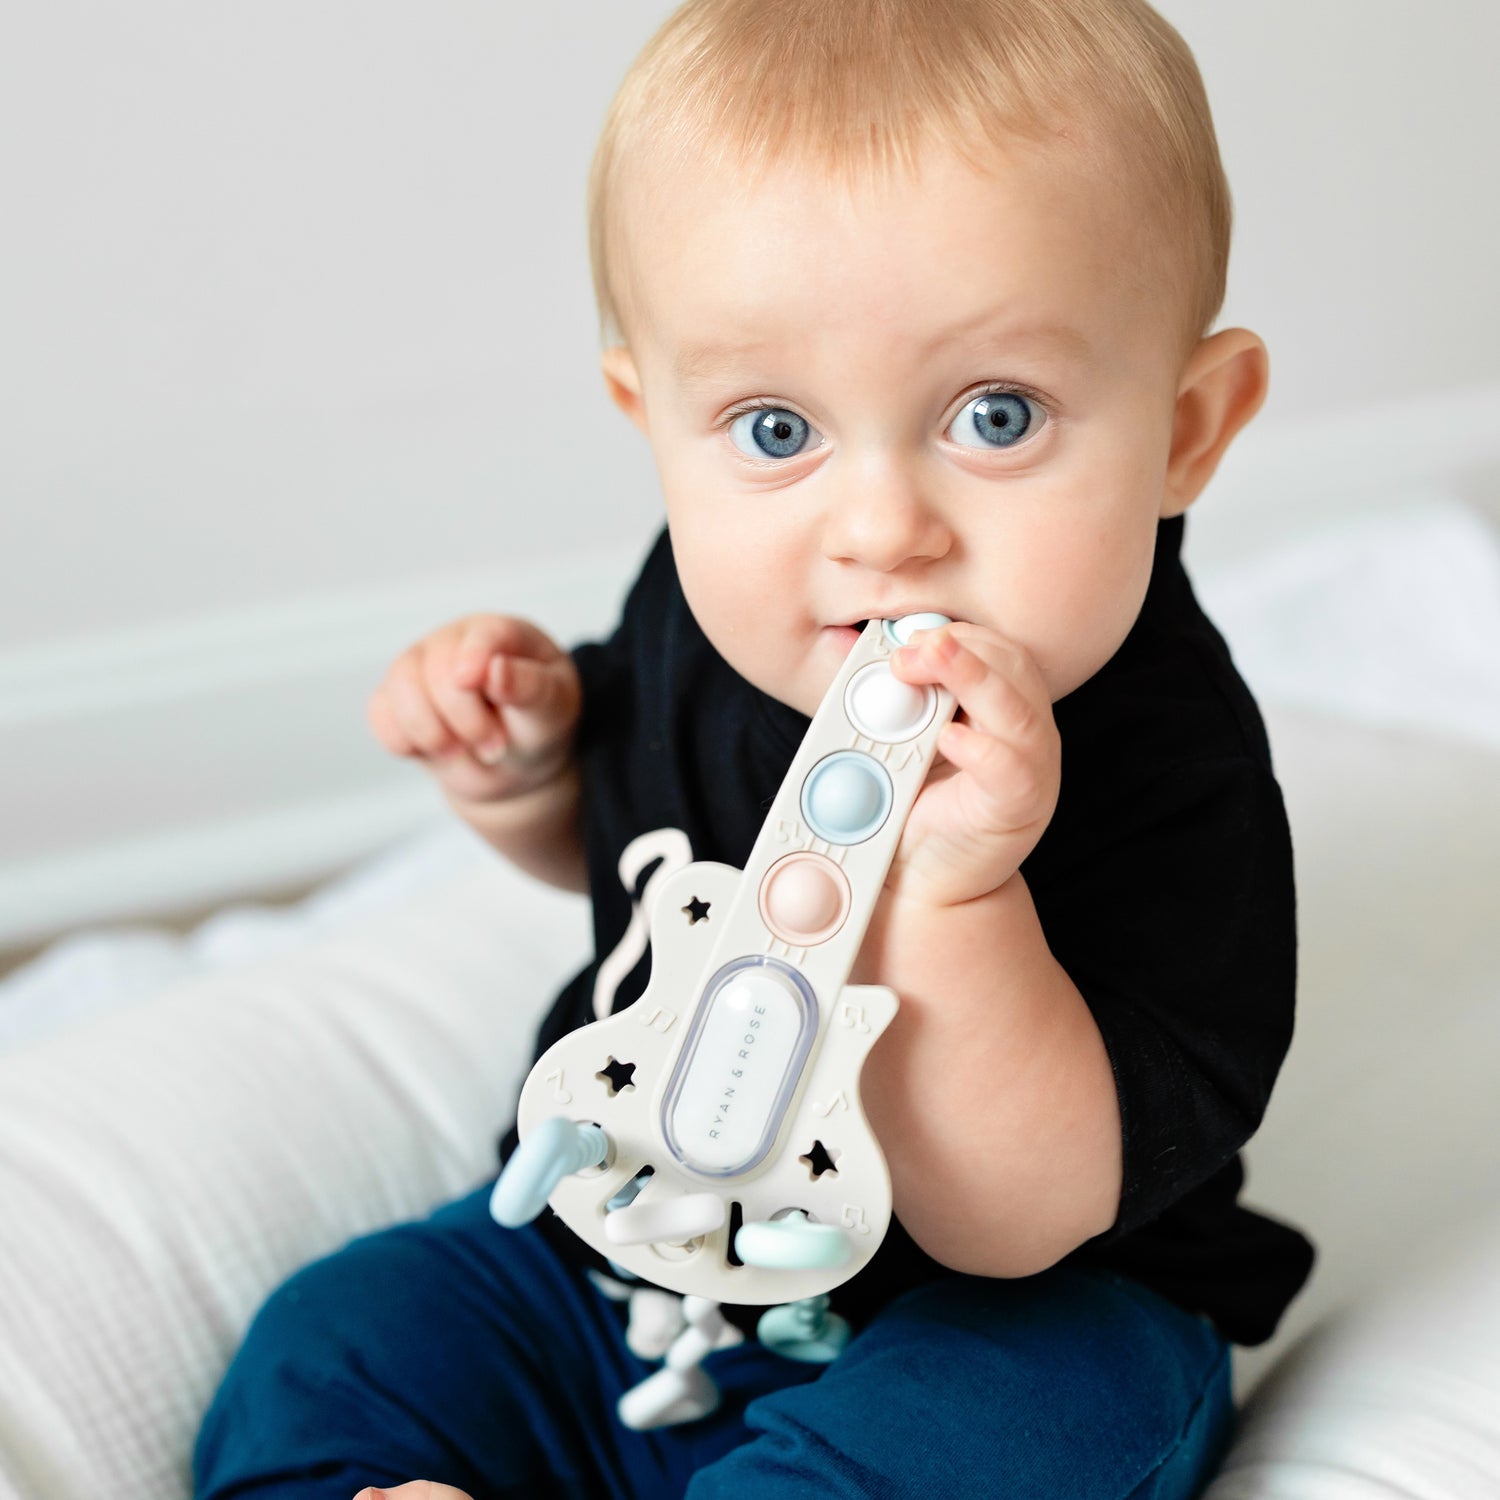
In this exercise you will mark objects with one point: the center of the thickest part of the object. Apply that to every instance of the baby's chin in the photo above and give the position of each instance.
(805, 684)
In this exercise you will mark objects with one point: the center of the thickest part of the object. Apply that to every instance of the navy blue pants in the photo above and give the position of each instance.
(454, 1350)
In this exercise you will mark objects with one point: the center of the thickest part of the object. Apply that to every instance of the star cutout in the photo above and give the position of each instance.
(820, 1160)
(616, 1076)
(696, 911)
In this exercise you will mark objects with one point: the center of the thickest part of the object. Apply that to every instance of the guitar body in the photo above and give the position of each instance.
(737, 1162)
(574, 1077)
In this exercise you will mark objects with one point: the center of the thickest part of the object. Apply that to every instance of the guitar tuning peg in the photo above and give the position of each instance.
(794, 1243)
(804, 1330)
(554, 1149)
(667, 1398)
(668, 1221)
(656, 1319)
(682, 1392)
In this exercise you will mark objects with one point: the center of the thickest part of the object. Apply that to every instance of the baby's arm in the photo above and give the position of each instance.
(489, 704)
(992, 1092)
(1020, 1118)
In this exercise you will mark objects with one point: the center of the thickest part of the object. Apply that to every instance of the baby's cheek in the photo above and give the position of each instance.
(1097, 590)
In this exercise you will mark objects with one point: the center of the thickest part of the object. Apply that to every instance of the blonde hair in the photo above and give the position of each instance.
(861, 86)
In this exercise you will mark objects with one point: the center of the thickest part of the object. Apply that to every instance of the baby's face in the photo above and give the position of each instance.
(953, 393)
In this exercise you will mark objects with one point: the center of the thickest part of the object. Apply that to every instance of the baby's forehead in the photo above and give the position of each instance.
(744, 223)
(1038, 174)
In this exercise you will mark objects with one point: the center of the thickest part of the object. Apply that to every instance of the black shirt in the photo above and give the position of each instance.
(1163, 885)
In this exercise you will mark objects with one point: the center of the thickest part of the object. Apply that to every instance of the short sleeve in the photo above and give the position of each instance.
(607, 669)
(1178, 926)
(604, 676)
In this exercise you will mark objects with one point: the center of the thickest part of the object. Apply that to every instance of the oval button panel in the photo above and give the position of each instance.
(739, 1067)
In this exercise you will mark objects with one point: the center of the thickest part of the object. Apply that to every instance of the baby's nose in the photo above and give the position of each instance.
(880, 518)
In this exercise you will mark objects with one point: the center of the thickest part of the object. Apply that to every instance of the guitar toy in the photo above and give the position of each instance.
(710, 1138)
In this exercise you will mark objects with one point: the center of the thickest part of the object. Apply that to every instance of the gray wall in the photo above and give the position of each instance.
(293, 296)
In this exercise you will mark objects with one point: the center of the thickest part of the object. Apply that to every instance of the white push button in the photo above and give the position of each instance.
(750, 1036)
(880, 705)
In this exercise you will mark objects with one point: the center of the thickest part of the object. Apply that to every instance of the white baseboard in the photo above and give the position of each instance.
(165, 769)
(184, 869)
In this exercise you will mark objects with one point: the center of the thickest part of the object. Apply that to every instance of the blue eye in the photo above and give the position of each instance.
(770, 432)
(999, 419)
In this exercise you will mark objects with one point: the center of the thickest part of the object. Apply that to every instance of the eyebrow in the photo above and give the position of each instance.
(699, 360)
(990, 333)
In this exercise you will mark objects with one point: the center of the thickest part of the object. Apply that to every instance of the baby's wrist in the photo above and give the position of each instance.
(908, 920)
(516, 796)
(939, 883)
(537, 830)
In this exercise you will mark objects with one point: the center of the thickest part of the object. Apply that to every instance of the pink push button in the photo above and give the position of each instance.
(880, 705)
(804, 899)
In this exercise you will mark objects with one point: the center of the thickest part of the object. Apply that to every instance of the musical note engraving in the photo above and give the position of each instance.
(853, 1015)
(854, 1218)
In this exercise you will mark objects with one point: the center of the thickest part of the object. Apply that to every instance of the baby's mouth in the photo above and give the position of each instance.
(848, 635)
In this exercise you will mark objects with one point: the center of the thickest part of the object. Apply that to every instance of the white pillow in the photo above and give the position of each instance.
(1390, 619)
(165, 1165)
(89, 971)
(1397, 1399)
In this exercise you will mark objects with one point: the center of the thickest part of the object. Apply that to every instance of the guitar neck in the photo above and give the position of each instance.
(819, 863)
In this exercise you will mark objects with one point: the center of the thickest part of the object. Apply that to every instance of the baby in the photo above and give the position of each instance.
(912, 302)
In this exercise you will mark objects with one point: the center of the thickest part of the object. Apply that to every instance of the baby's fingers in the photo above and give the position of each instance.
(382, 716)
(1006, 790)
(995, 682)
(472, 720)
(518, 682)
(403, 715)
(486, 636)
(402, 719)
(417, 1489)
(540, 700)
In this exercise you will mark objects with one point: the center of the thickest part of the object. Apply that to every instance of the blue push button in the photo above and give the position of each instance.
(902, 630)
(846, 797)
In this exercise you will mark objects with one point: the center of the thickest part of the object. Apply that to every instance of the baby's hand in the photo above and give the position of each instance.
(489, 703)
(416, 1489)
(982, 809)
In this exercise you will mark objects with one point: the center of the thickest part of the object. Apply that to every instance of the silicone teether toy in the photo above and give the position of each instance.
(710, 1137)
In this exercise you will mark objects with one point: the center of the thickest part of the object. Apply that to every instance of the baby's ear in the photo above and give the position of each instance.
(1221, 389)
(623, 381)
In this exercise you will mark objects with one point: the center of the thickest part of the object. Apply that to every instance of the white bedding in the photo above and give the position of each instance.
(163, 1165)
(97, 969)
(1392, 620)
